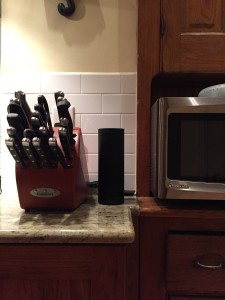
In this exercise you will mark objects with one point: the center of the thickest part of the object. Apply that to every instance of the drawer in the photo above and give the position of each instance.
(195, 263)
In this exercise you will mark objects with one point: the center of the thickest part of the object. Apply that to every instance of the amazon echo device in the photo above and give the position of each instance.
(111, 166)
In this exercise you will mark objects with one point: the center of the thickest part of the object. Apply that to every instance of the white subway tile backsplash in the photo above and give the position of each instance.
(91, 123)
(91, 143)
(100, 83)
(100, 101)
(53, 82)
(28, 83)
(92, 163)
(86, 103)
(128, 122)
(129, 163)
(130, 143)
(119, 104)
(128, 83)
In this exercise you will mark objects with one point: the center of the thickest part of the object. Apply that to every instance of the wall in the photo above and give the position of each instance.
(41, 50)
(99, 37)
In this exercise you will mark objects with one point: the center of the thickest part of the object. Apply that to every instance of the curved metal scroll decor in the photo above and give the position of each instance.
(67, 11)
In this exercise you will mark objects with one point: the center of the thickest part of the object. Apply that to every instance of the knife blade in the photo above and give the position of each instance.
(31, 152)
(14, 152)
(14, 120)
(11, 131)
(62, 132)
(43, 153)
(63, 112)
(58, 153)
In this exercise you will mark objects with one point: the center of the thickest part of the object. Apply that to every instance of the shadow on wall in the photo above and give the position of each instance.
(87, 31)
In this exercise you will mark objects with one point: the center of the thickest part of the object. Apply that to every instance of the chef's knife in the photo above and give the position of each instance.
(31, 152)
(15, 153)
(43, 153)
(14, 107)
(65, 142)
(58, 153)
(14, 120)
(63, 111)
(23, 102)
(11, 131)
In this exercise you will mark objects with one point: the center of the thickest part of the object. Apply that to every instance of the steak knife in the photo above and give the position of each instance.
(11, 131)
(31, 152)
(43, 153)
(15, 153)
(65, 142)
(58, 153)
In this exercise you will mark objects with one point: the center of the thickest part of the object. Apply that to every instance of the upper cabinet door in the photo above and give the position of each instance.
(193, 37)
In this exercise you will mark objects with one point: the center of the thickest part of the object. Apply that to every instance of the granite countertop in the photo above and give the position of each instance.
(89, 223)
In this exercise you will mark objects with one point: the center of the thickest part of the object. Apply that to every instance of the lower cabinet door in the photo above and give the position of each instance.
(48, 272)
(195, 298)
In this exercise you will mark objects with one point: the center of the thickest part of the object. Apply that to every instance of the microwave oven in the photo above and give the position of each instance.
(188, 148)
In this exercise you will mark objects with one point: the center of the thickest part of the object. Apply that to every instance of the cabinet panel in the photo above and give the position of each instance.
(195, 263)
(194, 36)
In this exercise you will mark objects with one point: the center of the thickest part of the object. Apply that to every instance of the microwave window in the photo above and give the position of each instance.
(196, 147)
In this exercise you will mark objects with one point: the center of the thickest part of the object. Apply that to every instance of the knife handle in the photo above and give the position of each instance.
(31, 152)
(15, 153)
(58, 153)
(43, 153)
(63, 136)
(11, 131)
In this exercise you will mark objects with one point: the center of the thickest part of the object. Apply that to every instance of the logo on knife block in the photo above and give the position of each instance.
(45, 192)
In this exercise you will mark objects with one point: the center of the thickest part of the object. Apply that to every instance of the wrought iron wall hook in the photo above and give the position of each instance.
(67, 11)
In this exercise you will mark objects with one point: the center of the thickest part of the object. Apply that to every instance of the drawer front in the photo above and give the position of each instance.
(195, 263)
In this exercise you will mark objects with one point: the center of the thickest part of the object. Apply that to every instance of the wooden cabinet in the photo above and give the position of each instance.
(182, 250)
(193, 37)
(181, 49)
(69, 272)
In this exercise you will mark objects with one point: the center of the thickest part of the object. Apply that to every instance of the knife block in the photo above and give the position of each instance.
(53, 189)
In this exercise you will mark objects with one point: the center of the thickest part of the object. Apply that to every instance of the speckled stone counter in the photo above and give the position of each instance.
(89, 223)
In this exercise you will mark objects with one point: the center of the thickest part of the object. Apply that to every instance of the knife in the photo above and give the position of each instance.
(15, 153)
(43, 153)
(57, 95)
(65, 142)
(41, 112)
(36, 124)
(23, 102)
(31, 152)
(58, 153)
(14, 120)
(11, 131)
(43, 102)
(63, 112)
(14, 107)
(29, 133)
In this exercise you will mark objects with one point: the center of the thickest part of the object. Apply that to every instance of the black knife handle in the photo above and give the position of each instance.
(57, 95)
(43, 153)
(58, 153)
(63, 112)
(22, 97)
(15, 153)
(15, 121)
(65, 142)
(31, 152)
(11, 131)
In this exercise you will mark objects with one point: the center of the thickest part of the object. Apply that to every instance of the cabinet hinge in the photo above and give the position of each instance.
(162, 25)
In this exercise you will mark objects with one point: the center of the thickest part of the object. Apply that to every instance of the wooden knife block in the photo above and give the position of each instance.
(53, 189)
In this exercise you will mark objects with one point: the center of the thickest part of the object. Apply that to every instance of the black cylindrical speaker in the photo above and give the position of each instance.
(111, 166)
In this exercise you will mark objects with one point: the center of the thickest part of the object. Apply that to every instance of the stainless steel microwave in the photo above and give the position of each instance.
(188, 148)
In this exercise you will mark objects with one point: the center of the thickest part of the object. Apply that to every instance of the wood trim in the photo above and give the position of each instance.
(148, 67)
